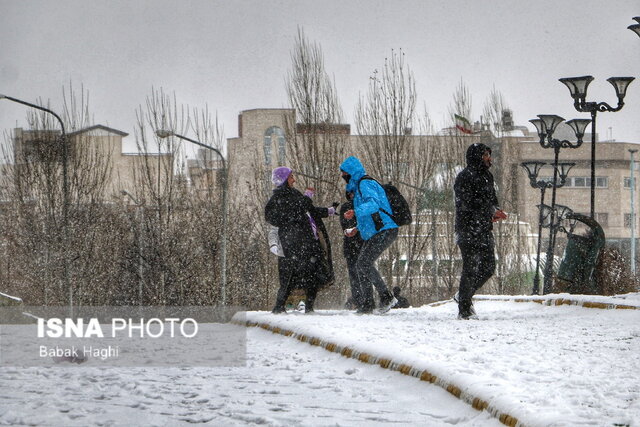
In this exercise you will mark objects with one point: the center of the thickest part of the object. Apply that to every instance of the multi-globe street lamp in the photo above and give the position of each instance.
(635, 27)
(546, 125)
(65, 193)
(578, 89)
(162, 133)
(553, 219)
(533, 169)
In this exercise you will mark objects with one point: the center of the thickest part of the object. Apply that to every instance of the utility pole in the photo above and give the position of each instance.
(633, 215)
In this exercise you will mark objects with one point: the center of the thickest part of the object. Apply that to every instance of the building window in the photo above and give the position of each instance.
(627, 220)
(267, 151)
(582, 181)
(602, 218)
(601, 182)
(627, 182)
(274, 138)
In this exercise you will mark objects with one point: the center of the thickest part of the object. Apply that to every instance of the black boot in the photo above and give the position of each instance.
(311, 299)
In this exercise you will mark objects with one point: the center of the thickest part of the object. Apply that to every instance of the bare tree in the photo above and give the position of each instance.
(384, 120)
(35, 230)
(317, 141)
(512, 250)
(180, 230)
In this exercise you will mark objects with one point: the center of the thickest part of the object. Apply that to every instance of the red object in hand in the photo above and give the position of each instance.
(499, 215)
(349, 214)
(350, 232)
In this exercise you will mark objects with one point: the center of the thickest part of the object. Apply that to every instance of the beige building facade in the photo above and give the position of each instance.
(100, 147)
(261, 145)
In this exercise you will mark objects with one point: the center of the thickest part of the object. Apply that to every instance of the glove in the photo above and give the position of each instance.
(350, 232)
(274, 250)
(309, 192)
(349, 214)
(499, 215)
(333, 210)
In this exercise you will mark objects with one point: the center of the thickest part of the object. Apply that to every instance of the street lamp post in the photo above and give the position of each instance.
(139, 217)
(546, 125)
(162, 133)
(533, 168)
(632, 186)
(65, 194)
(578, 89)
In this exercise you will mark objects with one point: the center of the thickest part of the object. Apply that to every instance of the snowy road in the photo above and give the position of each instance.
(285, 383)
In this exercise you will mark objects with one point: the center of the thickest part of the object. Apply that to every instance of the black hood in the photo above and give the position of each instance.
(474, 155)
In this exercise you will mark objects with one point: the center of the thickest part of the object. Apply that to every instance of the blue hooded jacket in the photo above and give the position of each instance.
(368, 200)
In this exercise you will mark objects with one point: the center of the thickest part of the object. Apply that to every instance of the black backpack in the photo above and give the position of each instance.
(399, 206)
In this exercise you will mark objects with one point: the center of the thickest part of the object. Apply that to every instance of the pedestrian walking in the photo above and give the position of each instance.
(303, 264)
(376, 228)
(476, 210)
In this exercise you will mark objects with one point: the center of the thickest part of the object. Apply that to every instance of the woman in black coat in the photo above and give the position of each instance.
(303, 239)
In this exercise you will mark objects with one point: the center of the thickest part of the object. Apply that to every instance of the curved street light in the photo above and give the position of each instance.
(545, 126)
(163, 133)
(65, 193)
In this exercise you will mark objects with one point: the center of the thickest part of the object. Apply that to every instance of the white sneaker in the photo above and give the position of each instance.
(388, 306)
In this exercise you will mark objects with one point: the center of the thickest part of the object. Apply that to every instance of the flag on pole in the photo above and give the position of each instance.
(462, 124)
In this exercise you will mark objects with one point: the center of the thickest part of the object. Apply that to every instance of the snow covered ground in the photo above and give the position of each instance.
(285, 383)
(545, 365)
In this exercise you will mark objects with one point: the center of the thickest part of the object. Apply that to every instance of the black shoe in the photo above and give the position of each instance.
(467, 315)
(278, 310)
(388, 306)
(364, 310)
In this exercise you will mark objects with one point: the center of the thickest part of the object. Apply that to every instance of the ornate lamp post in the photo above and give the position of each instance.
(533, 168)
(545, 125)
(578, 89)
(635, 27)
(223, 273)
(65, 194)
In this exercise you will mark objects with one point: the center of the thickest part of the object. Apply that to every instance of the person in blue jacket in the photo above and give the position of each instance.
(376, 228)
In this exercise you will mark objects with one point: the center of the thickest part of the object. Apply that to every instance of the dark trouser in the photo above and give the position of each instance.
(367, 272)
(354, 280)
(292, 276)
(478, 265)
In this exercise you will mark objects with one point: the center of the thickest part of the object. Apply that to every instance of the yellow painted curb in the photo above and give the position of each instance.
(422, 375)
(551, 302)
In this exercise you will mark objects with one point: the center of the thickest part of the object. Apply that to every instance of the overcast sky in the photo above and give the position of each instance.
(233, 55)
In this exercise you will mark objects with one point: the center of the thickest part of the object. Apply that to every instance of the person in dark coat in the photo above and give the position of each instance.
(323, 236)
(377, 229)
(351, 249)
(476, 211)
(303, 264)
